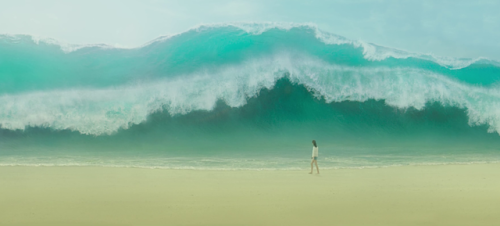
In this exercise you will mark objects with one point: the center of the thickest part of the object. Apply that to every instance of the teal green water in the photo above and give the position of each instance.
(243, 97)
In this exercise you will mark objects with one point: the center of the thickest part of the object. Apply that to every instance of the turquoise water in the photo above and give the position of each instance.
(246, 96)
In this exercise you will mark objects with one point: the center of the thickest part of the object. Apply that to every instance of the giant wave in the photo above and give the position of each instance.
(98, 90)
(246, 92)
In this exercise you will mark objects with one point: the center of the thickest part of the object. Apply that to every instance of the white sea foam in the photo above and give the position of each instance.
(106, 110)
(238, 164)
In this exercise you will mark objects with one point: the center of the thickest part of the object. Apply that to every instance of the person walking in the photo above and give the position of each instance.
(314, 157)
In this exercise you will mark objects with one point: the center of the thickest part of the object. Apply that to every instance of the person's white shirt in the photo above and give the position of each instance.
(315, 152)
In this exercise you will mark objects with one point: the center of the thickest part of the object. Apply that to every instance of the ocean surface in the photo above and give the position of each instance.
(243, 96)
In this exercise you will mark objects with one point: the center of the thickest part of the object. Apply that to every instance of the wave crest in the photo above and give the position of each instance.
(372, 52)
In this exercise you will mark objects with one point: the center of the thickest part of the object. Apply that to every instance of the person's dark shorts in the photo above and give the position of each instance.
(315, 158)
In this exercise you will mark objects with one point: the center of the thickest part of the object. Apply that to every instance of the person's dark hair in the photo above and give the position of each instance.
(314, 143)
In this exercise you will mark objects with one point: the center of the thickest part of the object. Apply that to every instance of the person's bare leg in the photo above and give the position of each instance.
(312, 161)
(317, 168)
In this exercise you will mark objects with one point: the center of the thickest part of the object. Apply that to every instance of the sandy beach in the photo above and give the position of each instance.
(409, 195)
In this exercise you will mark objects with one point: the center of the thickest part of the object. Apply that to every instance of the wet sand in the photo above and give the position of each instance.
(409, 195)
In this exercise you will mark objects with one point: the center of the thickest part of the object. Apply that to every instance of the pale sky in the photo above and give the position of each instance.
(445, 28)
